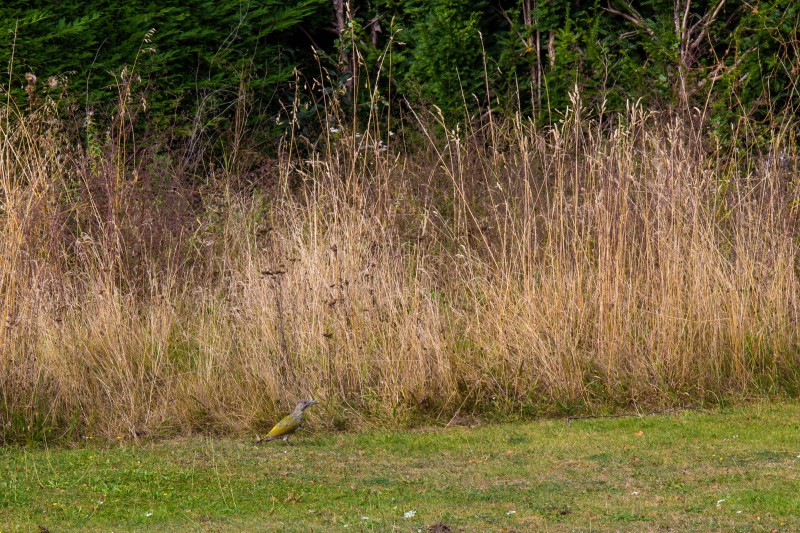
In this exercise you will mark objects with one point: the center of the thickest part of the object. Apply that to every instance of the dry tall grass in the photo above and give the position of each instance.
(581, 267)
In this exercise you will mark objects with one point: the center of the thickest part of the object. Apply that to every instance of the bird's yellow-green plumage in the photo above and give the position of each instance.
(289, 424)
(286, 426)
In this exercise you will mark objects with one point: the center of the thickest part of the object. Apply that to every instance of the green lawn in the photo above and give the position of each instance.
(732, 470)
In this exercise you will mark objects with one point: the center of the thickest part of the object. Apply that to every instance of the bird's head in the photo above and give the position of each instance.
(304, 404)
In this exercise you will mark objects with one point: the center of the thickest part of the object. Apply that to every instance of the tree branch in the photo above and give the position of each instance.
(636, 21)
(707, 20)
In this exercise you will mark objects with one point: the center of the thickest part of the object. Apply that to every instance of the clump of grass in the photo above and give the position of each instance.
(579, 267)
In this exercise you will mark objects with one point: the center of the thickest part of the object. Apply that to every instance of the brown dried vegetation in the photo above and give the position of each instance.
(588, 265)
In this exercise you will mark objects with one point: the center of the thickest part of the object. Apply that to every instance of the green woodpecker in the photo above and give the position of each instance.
(288, 425)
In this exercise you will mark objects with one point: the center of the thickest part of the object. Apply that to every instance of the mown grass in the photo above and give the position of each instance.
(731, 470)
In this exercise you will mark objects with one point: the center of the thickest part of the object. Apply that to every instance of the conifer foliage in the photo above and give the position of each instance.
(195, 58)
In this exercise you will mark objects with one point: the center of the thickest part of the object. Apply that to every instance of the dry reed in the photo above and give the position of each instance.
(574, 268)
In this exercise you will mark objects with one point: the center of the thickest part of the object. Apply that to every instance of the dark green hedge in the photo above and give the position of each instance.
(195, 57)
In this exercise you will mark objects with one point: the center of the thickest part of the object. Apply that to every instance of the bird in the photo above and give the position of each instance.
(289, 424)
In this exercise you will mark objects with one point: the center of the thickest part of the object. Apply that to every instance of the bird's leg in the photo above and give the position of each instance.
(286, 439)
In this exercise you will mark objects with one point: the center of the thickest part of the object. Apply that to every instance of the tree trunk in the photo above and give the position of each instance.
(533, 45)
(345, 64)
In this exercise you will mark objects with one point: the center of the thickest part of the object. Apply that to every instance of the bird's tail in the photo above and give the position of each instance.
(264, 439)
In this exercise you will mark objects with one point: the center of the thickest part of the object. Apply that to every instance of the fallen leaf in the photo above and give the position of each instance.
(639, 433)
